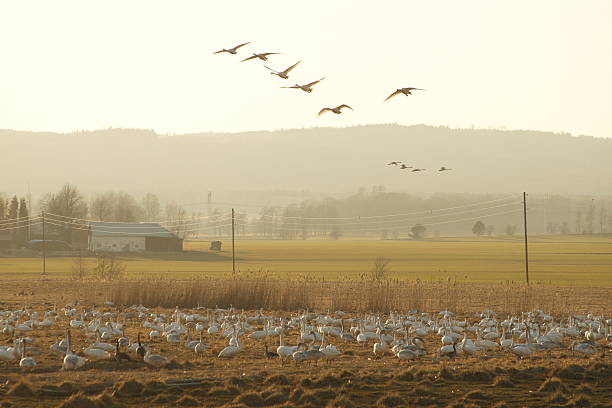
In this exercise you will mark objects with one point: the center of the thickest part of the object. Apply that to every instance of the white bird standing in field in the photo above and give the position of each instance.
(285, 351)
(26, 363)
(200, 347)
(7, 354)
(71, 360)
(337, 110)
(155, 360)
(381, 347)
(523, 350)
(306, 88)
(230, 351)
(283, 74)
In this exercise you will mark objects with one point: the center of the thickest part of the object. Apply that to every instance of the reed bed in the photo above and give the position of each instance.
(254, 291)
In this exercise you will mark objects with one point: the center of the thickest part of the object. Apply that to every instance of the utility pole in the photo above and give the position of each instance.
(233, 245)
(30, 213)
(526, 250)
(44, 245)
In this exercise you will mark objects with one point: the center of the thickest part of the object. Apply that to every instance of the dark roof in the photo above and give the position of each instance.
(128, 229)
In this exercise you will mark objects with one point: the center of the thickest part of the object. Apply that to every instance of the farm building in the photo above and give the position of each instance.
(132, 237)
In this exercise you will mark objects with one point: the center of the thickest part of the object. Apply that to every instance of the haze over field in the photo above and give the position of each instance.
(323, 160)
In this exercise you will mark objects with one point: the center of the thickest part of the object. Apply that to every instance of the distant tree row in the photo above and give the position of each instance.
(14, 218)
(355, 215)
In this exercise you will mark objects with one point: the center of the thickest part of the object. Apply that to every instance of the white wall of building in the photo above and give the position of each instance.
(118, 244)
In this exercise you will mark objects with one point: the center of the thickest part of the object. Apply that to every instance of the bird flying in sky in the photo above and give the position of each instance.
(337, 110)
(232, 50)
(405, 91)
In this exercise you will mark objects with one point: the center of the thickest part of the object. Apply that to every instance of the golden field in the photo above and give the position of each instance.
(558, 260)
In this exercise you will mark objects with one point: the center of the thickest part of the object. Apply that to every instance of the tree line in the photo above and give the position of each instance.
(323, 218)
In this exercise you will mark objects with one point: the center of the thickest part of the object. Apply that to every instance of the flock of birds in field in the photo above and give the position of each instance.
(408, 337)
(308, 88)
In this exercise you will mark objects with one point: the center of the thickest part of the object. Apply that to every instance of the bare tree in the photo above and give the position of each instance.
(590, 218)
(510, 229)
(380, 270)
(177, 219)
(108, 268)
(79, 267)
(102, 206)
(68, 202)
(150, 207)
(126, 208)
(578, 228)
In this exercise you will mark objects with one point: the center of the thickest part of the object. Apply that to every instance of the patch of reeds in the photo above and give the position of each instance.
(254, 290)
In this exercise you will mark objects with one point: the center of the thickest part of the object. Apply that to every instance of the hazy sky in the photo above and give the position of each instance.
(70, 65)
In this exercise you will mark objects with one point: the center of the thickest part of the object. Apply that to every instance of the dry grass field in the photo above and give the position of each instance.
(560, 260)
(355, 379)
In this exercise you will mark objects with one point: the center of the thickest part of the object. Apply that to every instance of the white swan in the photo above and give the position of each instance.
(71, 360)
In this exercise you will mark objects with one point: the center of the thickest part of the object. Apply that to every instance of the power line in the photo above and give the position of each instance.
(141, 226)
(395, 215)
(301, 224)
(93, 229)
(20, 227)
(280, 227)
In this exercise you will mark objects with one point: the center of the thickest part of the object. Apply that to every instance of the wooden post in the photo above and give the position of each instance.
(233, 245)
(44, 245)
(526, 248)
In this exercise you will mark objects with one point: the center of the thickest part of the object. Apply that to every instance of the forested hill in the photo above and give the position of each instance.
(320, 159)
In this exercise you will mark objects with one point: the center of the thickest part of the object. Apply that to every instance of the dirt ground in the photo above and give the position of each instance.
(355, 379)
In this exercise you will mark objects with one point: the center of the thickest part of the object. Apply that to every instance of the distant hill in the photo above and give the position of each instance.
(320, 159)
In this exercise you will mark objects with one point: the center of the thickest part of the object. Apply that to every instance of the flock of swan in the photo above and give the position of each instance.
(308, 88)
(284, 74)
(409, 336)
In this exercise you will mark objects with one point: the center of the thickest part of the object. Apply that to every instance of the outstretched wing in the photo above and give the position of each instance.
(294, 86)
(314, 82)
(392, 95)
(249, 58)
(288, 70)
(345, 106)
(276, 72)
(412, 89)
(322, 111)
(265, 54)
(241, 45)
(220, 51)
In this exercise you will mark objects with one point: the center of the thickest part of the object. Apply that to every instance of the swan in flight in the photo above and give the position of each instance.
(405, 91)
(233, 51)
(337, 110)
(394, 163)
(418, 169)
(263, 56)
(444, 169)
(283, 74)
(305, 88)
(404, 167)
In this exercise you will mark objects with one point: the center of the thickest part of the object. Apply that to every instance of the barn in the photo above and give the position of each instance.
(132, 237)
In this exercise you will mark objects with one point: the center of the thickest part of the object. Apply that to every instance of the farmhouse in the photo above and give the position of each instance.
(132, 237)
